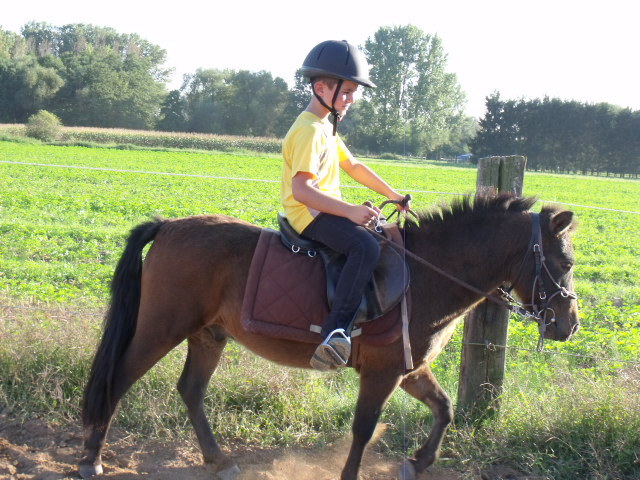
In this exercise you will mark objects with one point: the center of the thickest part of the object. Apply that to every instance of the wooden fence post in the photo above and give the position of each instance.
(482, 366)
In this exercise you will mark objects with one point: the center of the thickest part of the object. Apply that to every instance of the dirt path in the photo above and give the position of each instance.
(36, 450)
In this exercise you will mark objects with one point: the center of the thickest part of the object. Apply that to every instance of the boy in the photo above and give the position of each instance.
(313, 156)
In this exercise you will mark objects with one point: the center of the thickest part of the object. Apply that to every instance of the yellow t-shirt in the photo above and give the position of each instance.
(309, 146)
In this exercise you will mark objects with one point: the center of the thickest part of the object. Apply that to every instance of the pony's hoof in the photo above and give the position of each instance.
(407, 471)
(229, 474)
(88, 471)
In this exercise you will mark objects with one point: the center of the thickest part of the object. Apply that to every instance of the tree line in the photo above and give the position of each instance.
(86, 75)
(94, 76)
(561, 136)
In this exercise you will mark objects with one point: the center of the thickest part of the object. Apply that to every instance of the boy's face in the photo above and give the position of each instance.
(345, 97)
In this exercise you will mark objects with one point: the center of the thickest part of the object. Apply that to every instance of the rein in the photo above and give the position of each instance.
(539, 309)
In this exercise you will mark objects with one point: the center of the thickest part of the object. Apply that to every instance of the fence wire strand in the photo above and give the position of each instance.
(243, 179)
(493, 347)
(488, 345)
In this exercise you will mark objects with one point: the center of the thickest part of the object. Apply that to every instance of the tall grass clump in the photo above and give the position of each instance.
(565, 427)
(44, 368)
(44, 359)
(249, 400)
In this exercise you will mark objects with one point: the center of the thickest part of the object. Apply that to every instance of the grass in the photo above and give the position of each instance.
(44, 367)
(569, 413)
(555, 421)
(562, 431)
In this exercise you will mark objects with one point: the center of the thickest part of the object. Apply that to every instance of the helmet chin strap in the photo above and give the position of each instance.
(334, 113)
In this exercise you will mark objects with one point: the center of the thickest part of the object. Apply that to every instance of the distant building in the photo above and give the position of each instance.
(465, 157)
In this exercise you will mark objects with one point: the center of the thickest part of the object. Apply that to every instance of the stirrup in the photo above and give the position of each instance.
(333, 353)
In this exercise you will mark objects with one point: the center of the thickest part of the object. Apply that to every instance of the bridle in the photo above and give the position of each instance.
(539, 309)
(540, 303)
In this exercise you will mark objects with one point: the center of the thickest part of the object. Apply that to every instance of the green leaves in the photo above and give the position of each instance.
(44, 126)
(235, 103)
(417, 104)
(564, 136)
(85, 74)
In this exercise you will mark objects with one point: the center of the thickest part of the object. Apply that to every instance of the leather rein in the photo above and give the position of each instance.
(540, 308)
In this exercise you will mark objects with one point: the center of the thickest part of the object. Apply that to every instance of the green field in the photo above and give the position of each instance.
(572, 412)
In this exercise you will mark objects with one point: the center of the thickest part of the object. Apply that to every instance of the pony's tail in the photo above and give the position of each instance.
(119, 325)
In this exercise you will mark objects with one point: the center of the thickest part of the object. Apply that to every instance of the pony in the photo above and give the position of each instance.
(191, 283)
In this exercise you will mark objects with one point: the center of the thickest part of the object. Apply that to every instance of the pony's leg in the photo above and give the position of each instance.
(205, 349)
(139, 357)
(422, 385)
(376, 386)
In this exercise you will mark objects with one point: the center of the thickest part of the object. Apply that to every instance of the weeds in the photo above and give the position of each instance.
(572, 412)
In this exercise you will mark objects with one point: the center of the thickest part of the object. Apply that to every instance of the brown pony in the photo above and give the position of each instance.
(191, 287)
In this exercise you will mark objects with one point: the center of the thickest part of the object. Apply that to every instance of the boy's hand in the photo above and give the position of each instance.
(362, 214)
(404, 200)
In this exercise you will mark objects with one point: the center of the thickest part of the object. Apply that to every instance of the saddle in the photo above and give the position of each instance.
(385, 289)
(292, 281)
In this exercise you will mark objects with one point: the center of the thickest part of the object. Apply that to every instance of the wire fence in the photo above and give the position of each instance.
(487, 345)
(261, 180)
(493, 347)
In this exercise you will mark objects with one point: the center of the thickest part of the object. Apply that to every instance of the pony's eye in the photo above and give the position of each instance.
(566, 266)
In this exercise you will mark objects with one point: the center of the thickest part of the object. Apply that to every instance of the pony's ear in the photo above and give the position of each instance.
(561, 222)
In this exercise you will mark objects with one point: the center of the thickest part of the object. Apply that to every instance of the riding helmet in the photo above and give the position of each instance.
(337, 59)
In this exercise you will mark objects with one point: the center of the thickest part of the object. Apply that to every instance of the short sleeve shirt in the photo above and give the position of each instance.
(310, 147)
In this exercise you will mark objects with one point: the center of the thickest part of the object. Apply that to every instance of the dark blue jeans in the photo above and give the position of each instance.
(362, 252)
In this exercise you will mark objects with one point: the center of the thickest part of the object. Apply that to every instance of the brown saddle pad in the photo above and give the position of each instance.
(286, 297)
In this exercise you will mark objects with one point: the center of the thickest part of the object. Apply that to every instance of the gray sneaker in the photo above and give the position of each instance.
(333, 353)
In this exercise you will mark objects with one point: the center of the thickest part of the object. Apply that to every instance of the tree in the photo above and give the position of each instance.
(11, 45)
(236, 103)
(297, 99)
(437, 102)
(624, 143)
(87, 75)
(112, 80)
(205, 96)
(256, 102)
(173, 113)
(299, 96)
(462, 133)
(25, 87)
(561, 135)
(499, 130)
(417, 103)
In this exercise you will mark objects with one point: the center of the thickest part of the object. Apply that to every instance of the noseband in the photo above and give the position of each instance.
(539, 308)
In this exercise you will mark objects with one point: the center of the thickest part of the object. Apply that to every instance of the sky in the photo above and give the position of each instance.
(573, 50)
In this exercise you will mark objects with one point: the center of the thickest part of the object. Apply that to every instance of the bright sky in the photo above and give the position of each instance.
(570, 49)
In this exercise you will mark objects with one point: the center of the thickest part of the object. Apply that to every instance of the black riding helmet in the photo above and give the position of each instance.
(336, 59)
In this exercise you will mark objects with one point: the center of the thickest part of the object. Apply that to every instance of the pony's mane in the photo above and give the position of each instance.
(468, 207)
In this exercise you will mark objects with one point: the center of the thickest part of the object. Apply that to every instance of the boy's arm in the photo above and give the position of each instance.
(304, 192)
(367, 177)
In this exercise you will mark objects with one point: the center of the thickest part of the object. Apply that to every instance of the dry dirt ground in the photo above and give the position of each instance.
(36, 450)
